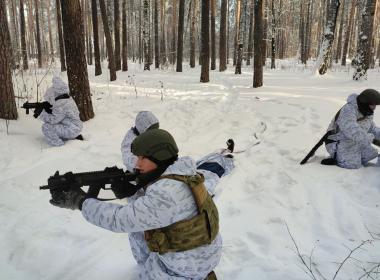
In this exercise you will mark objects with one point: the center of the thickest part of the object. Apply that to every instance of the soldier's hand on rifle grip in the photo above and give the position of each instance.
(47, 107)
(124, 189)
(37, 111)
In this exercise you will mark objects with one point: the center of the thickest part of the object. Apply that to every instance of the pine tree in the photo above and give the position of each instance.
(60, 35)
(258, 45)
(73, 31)
(205, 42)
(181, 21)
(223, 36)
(8, 108)
(94, 12)
(107, 34)
(23, 40)
(124, 37)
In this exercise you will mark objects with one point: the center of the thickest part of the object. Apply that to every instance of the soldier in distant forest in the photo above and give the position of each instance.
(61, 121)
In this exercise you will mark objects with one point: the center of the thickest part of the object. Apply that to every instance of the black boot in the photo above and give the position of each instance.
(328, 161)
(79, 137)
(230, 145)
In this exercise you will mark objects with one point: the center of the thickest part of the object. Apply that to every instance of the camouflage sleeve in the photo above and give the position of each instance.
(349, 126)
(153, 210)
(129, 159)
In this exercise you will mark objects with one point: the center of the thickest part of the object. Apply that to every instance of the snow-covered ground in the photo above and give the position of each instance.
(328, 210)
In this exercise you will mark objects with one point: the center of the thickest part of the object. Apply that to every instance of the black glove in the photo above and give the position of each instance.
(72, 199)
(124, 189)
(47, 107)
(37, 111)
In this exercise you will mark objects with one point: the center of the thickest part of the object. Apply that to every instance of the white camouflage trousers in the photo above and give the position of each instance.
(56, 134)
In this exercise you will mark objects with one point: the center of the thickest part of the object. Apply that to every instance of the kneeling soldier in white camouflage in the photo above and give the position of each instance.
(173, 213)
(63, 123)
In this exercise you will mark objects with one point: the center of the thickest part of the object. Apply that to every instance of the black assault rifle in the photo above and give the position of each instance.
(39, 106)
(96, 180)
(316, 147)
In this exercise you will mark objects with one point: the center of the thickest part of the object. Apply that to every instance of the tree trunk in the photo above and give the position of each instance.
(15, 34)
(273, 43)
(76, 57)
(205, 42)
(228, 31)
(94, 11)
(324, 59)
(146, 35)
(339, 45)
(174, 21)
(193, 10)
(156, 37)
(50, 32)
(350, 21)
(181, 20)
(213, 47)
(250, 35)
(362, 59)
(107, 33)
(23, 40)
(258, 45)
(38, 38)
(124, 36)
(89, 45)
(239, 38)
(8, 108)
(309, 28)
(60, 36)
(30, 34)
(265, 31)
(237, 29)
(163, 37)
(117, 34)
(222, 38)
(239, 58)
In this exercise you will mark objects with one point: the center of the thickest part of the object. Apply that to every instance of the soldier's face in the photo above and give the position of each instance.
(145, 165)
(372, 107)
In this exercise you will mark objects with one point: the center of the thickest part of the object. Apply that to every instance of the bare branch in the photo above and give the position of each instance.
(349, 256)
(309, 269)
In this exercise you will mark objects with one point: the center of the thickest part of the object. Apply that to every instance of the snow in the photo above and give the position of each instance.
(327, 209)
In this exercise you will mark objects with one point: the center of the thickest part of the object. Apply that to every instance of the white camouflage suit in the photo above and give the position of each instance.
(163, 203)
(64, 122)
(353, 147)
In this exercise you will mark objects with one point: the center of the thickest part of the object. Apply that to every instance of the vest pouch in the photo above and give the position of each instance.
(212, 217)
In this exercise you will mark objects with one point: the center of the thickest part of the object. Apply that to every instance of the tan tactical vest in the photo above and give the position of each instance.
(192, 233)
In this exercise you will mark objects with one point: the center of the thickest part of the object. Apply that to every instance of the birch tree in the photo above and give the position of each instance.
(362, 59)
(324, 59)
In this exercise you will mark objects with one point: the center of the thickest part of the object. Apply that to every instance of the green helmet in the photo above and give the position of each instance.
(155, 144)
(369, 96)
